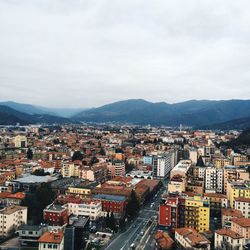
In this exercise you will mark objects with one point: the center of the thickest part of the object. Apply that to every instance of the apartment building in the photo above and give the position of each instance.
(70, 170)
(197, 213)
(237, 189)
(243, 205)
(90, 208)
(117, 168)
(11, 218)
(181, 169)
(238, 158)
(213, 180)
(242, 227)
(55, 215)
(234, 173)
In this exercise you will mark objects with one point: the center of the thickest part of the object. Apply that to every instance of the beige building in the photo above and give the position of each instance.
(241, 226)
(233, 173)
(221, 162)
(228, 239)
(228, 214)
(11, 218)
(20, 141)
(70, 170)
(189, 238)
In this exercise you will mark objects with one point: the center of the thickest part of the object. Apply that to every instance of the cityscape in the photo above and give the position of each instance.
(124, 125)
(123, 187)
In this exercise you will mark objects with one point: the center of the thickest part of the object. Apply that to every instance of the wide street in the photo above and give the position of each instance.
(139, 234)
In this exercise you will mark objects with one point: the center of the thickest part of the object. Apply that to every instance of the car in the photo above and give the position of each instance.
(134, 226)
(142, 233)
(132, 246)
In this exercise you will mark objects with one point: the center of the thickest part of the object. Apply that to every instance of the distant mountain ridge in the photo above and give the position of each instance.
(10, 116)
(206, 114)
(33, 109)
(190, 113)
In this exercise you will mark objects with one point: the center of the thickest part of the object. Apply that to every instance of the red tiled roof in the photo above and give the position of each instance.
(228, 232)
(243, 222)
(51, 237)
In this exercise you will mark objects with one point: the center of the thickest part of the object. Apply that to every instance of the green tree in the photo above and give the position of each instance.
(29, 154)
(133, 206)
(112, 222)
(107, 220)
(129, 167)
(37, 200)
(77, 156)
(102, 152)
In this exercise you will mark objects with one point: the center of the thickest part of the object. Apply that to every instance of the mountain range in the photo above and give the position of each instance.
(207, 114)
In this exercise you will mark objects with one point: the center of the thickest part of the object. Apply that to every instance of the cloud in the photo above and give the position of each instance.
(85, 53)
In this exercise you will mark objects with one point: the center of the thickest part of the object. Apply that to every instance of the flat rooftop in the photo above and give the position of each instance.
(109, 197)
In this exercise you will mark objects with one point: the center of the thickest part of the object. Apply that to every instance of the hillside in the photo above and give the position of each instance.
(190, 113)
(9, 116)
(33, 110)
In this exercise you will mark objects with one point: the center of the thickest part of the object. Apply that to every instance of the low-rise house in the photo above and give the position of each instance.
(30, 234)
(163, 240)
(51, 240)
(189, 238)
(227, 239)
(227, 215)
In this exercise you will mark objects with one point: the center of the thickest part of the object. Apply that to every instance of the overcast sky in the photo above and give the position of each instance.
(73, 53)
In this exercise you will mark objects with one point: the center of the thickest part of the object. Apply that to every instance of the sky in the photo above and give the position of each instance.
(86, 53)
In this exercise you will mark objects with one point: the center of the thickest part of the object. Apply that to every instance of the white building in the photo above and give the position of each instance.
(181, 168)
(228, 239)
(165, 163)
(90, 208)
(193, 155)
(20, 141)
(213, 180)
(51, 240)
(11, 218)
(243, 205)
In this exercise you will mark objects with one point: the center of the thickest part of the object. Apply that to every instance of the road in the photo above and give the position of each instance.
(133, 234)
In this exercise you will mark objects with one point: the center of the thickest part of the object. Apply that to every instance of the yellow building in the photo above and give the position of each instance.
(221, 162)
(83, 190)
(234, 173)
(236, 189)
(70, 170)
(197, 213)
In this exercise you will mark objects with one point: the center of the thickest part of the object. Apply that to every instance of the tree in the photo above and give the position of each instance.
(107, 221)
(133, 206)
(112, 222)
(37, 200)
(29, 154)
(102, 152)
(40, 172)
(129, 167)
(77, 156)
